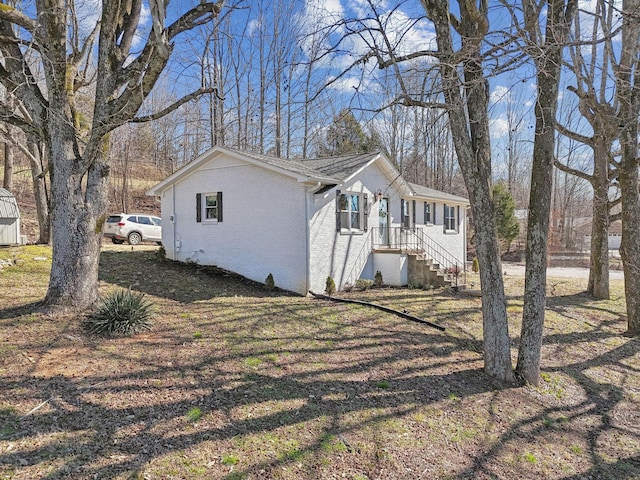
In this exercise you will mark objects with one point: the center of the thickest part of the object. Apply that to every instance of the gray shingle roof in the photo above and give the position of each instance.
(430, 192)
(294, 166)
(339, 168)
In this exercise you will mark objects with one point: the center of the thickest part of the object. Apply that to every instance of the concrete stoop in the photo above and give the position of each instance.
(423, 272)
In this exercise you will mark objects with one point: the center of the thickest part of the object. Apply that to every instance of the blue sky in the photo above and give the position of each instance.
(512, 94)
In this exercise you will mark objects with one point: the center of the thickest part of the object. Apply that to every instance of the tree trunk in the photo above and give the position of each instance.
(77, 215)
(630, 244)
(598, 286)
(495, 331)
(40, 192)
(470, 133)
(8, 167)
(548, 65)
(628, 91)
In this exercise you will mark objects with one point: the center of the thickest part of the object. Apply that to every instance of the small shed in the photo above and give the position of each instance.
(9, 219)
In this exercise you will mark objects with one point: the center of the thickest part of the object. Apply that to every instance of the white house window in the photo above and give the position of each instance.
(209, 207)
(351, 212)
(450, 218)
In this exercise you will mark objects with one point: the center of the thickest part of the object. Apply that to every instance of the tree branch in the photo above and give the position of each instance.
(403, 58)
(615, 217)
(573, 171)
(8, 138)
(573, 135)
(7, 115)
(77, 57)
(199, 15)
(12, 15)
(174, 106)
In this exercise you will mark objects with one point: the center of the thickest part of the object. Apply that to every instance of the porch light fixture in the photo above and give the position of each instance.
(379, 195)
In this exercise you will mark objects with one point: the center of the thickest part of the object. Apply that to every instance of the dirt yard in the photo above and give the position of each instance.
(235, 382)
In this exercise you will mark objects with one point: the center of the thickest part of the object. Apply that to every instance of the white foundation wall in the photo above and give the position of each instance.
(263, 229)
(336, 254)
(393, 267)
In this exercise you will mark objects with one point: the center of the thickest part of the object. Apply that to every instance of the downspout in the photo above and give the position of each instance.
(175, 220)
(307, 239)
(464, 228)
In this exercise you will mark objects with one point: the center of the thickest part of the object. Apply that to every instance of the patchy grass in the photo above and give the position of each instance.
(235, 382)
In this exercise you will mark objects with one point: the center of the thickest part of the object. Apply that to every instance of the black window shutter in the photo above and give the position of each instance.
(458, 220)
(445, 217)
(198, 207)
(338, 226)
(434, 213)
(402, 217)
(413, 213)
(366, 211)
(219, 199)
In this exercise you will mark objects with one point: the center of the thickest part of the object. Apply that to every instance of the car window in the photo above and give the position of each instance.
(144, 220)
(133, 219)
(156, 221)
(114, 218)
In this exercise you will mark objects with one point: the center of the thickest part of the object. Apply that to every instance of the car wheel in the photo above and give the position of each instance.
(117, 242)
(134, 238)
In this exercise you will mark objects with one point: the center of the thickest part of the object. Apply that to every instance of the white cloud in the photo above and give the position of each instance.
(319, 15)
(407, 36)
(499, 127)
(500, 94)
(348, 84)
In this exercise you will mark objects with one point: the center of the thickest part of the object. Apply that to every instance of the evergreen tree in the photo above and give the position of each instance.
(346, 136)
(506, 221)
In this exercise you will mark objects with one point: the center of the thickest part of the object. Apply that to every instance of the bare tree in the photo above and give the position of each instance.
(592, 89)
(628, 95)
(459, 76)
(546, 49)
(470, 129)
(52, 33)
(30, 148)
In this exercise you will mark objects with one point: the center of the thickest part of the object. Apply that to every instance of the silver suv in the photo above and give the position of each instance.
(133, 227)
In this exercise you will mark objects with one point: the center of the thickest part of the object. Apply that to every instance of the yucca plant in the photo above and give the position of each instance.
(121, 313)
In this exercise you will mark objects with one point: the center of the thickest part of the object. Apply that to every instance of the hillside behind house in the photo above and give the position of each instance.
(124, 194)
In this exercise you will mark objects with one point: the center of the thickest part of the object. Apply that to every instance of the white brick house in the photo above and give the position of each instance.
(304, 220)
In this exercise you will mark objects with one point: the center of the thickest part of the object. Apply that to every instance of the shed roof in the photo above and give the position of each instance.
(8, 205)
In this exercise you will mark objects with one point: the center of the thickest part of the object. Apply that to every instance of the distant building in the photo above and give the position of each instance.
(9, 219)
